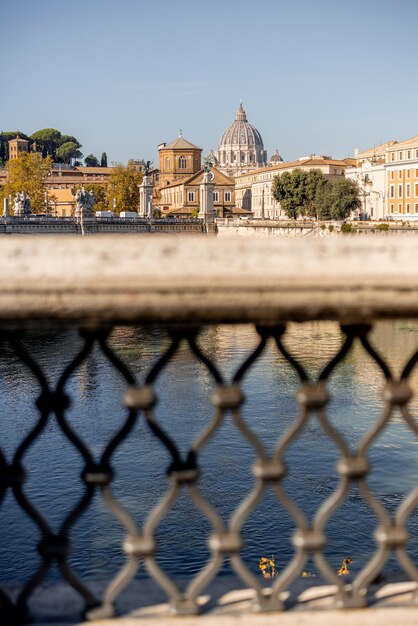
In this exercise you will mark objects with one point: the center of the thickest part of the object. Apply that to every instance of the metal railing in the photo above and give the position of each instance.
(151, 297)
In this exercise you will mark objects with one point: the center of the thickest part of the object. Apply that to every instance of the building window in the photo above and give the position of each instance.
(392, 156)
(216, 196)
(400, 191)
(416, 190)
(408, 190)
(227, 196)
(392, 174)
(391, 208)
(399, 208)
(400, 156)
(400, 174)
(408, 173)
(392, 191)
(190, 196)
(407, 208)
(167, 164)
(409, 154)
(416, 208)
(182, 163)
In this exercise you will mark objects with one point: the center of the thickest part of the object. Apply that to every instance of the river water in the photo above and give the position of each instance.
(54, 466)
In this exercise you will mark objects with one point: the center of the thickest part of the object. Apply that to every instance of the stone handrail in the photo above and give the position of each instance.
(196, 278)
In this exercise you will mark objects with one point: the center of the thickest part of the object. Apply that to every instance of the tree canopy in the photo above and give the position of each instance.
(91, 161)
(312, 194)
(290, 189)
(338, 199)
(123, 185)
(68, 151)
(48, 142)
(28, 173)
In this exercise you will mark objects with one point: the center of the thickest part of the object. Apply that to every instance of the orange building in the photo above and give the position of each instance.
(182, 198)
(402, 179)
(16, 146)
(180, 175)
(178, 160)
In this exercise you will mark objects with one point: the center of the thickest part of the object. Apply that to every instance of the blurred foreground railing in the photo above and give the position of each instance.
(183, 284)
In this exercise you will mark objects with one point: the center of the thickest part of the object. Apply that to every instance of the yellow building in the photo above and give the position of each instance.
(16, 146)
(182, 198)
(402, 179)
(61, 202)
(181, 173)
(178, 160)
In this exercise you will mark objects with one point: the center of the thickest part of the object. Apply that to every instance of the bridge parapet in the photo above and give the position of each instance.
(184, 284)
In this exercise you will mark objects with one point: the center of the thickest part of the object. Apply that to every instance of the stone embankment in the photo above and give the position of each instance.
(269, 228)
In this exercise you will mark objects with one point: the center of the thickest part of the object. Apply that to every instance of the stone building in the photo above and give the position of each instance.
(254, 190)
(180, 175)
(241, 147)
(369, 174)
(178, 160)
(17, 146)
(181, 198)
(402, 179)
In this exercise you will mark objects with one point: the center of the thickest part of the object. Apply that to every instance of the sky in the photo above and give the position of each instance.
(315, 76)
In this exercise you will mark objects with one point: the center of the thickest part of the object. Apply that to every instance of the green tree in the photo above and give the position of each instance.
(67, 138)
(68, 151)
(338, 199)
(290, 190)
(123, 185)
(91, 161)
(314, 180)
(28, 173)
(2, 153)
(49, 139)
(103, 160)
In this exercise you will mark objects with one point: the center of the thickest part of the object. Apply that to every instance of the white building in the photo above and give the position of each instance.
(254, 190)
(370, 175)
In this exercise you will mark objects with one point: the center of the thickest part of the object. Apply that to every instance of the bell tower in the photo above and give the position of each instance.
(178, 160)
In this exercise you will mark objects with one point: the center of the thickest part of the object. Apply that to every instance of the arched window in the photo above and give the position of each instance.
(182, 163)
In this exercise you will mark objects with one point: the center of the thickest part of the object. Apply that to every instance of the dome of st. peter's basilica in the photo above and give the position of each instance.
(241, 147)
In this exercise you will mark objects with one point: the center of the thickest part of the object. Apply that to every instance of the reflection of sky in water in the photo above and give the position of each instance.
(183, 410)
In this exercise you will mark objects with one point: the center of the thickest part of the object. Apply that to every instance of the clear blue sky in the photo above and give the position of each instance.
(124, 75)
